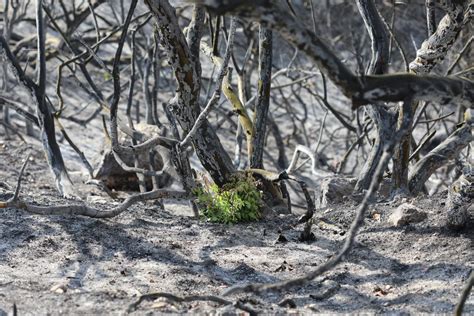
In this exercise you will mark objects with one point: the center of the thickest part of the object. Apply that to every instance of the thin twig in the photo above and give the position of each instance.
(464, 295)
(18, 183)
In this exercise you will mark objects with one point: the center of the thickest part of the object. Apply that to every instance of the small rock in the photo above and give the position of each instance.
(59, 288)
(164, 304)
(95, 199)
(334, 189)
(407, 214)
(339, 189)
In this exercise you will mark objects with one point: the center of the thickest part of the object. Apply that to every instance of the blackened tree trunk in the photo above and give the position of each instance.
(186, 67)
(263, 98)
(45, 117)
(378, 65)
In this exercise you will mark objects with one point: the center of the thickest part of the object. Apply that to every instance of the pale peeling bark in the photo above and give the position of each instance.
(186, 109)
(432, 52)
(460, 195)
(434, 49)
(439, 156)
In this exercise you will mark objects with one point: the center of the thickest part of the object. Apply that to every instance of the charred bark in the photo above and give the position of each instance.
(263, 98)
(439, 156)
(186, 108)
(378, 65)
(43, 113)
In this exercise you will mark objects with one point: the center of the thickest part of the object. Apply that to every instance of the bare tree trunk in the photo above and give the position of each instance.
(45, 117)
(432, 52)
(6, 34)
(43, 113)
(263, 99)
(185, 64)
(378, 65)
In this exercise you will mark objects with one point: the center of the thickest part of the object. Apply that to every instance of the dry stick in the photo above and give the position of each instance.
(216, 299)
(6, 33)
(66, 64)
(54, 156)
(80, 153)
(461, 53)
(437, 118)
(339, 116)
(18, 184)
(18, 108)
(355, 226)
(16, 193)
(94, 18)
(423, 142)
(344, 159)
(449, 149)
(397, 43)
(464, 295)
(96, 93)
(88, 211)
(430, 17)
(241, 86)
(13, 129)
(140, 177)
(116, 81)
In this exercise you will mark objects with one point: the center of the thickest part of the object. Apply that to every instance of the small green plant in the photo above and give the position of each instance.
(237, 201)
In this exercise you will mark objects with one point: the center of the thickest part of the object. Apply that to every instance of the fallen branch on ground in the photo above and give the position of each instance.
(85, 210)
(211, 298)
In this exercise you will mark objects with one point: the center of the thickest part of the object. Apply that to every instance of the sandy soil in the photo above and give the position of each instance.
(62, 265)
